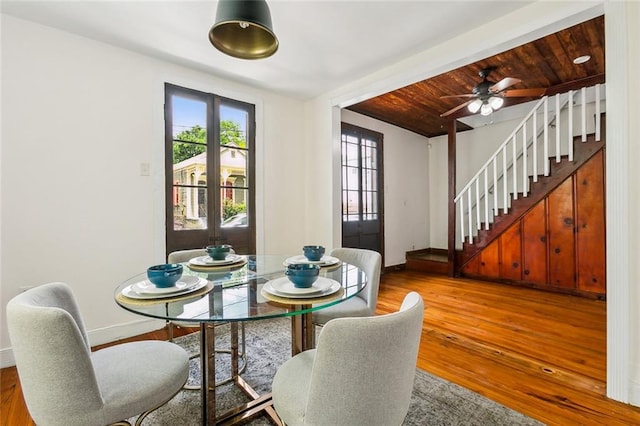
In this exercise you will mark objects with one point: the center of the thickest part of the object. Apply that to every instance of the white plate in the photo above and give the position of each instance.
(132, 294)
(324, 260)
(285, 286)
(208, 261)
(147, 287)
(282, 287)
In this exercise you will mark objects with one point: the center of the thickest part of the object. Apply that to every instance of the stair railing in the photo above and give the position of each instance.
(527, 150)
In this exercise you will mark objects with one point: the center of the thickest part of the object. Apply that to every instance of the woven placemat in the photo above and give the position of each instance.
(303, 300)
(220, 268)
(332, 267)
(148, 302)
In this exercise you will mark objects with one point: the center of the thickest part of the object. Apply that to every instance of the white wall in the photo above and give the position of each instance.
(632, 15)
(79, 117)
(406, 187)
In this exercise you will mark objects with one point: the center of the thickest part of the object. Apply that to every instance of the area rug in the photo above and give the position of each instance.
(434, 401)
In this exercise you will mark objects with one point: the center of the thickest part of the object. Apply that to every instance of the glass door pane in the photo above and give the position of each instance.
(189, 130)
(234, 166)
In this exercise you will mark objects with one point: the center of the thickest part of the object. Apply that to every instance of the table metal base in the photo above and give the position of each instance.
(302, 338)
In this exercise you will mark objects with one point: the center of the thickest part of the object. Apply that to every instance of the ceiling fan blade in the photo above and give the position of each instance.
(466, 95)
(524, 93)
(451, 111)
(503, 84)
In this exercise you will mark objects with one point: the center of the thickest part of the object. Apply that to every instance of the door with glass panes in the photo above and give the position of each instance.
(210, 171)
(362, 204)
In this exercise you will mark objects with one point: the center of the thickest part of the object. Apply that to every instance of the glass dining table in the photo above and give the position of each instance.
(241, 288)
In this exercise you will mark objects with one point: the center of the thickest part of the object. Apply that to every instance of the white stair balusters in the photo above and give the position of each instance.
(520, 157)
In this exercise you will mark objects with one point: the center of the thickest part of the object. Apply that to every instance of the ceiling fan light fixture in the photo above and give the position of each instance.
(496, 102)
(486, 108)
(243, 29)
(475, 106)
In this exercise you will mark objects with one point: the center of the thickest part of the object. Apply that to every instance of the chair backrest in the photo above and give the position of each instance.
(371, 263)
(364, 368)
(180, 256)
(52, 353)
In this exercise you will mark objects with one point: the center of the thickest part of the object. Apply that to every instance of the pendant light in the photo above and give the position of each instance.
(243, 29)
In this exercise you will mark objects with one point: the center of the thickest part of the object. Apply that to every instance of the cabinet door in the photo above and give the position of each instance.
(591, 226)
(511, 253)
(534, 243)
(489, 265)
(562, 269)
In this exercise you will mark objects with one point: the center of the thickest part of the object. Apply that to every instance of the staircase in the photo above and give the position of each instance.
(559, 173)
(529, 216)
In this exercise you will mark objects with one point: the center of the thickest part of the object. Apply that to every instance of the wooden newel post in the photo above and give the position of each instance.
(451, 150)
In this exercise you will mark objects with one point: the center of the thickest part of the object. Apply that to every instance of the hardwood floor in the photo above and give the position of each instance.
(539, 353)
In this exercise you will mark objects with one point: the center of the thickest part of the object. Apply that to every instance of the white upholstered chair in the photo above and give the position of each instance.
(364, 304)
(361, 372)
(64, 383)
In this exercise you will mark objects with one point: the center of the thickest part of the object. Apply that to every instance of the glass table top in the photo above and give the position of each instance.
(235, 292)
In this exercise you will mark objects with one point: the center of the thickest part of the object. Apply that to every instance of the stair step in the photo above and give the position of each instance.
(434, 261)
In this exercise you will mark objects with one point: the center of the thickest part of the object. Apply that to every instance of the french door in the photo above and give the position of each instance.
(210, 170)
(362, 188)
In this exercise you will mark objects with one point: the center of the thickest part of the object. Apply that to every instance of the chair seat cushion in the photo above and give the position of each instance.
(354, 307)
(134, 377)
(290, 387)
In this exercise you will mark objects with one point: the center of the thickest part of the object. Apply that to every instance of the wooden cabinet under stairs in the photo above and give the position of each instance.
(555, 237)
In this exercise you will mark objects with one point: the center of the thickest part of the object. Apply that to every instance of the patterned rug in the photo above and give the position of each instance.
(434, 401)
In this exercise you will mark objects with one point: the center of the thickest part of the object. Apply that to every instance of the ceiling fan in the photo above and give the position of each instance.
(488, 96)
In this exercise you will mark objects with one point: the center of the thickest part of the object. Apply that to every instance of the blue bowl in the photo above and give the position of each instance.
(252, 263)
(165, 275)
(302, 275)
(218, 252)
(313, 253)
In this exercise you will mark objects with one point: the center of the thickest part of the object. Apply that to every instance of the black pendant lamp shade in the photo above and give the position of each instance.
(243, 29)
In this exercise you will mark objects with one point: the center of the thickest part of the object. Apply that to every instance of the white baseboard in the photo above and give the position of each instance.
(99, 336)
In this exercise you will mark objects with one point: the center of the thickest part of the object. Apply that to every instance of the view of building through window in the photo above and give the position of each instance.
(190, 165)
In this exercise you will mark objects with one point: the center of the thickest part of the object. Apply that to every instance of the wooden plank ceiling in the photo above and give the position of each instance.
(543, 63)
